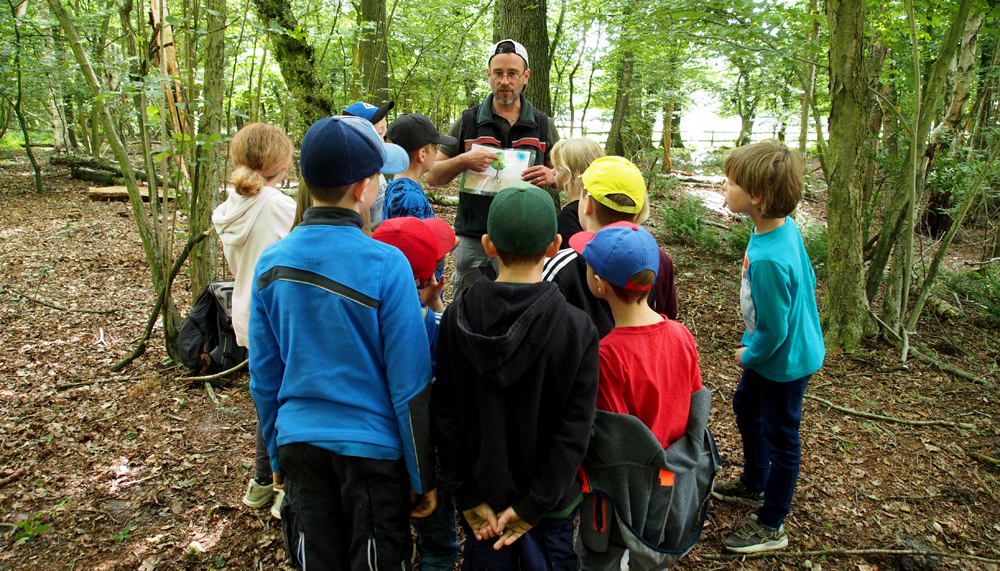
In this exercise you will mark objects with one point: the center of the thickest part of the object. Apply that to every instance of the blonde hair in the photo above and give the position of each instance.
(770, 170)
(259, 152)
(571, 157)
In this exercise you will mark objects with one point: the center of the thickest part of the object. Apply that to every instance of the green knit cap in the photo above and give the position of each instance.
(522, 220)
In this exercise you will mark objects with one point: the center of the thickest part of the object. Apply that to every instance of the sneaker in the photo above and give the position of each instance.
(735, 491)
(279, 498)
(754, 537)
(258, 495)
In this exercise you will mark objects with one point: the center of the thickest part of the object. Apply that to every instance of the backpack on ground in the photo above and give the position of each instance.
(207, 339)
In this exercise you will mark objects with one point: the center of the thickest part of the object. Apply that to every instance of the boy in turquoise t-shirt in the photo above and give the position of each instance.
(783, 343)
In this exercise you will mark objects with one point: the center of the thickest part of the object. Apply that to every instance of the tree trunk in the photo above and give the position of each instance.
(208, 168)
(845, 316)
(667, 139)
(17, 105)
(525, 21)
(373, 52)
(905, 185)
(295, 57)
(808, 87)
(615, 145)
(149, 239)
(936, 217)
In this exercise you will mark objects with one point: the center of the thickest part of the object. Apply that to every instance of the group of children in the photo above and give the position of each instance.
(379, 408)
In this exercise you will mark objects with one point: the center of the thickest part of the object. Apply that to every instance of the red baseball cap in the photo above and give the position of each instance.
(423, 242)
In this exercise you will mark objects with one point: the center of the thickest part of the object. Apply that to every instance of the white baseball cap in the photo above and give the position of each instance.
(508, 46)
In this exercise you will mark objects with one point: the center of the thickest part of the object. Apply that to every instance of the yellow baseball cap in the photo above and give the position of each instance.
(615, 175)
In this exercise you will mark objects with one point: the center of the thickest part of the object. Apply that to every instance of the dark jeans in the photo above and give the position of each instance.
(546, 547)
(437, 541)
(344, 512)
(768, 414)
(261, 461)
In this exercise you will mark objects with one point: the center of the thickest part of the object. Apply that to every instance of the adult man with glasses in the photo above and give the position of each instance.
(504, 120)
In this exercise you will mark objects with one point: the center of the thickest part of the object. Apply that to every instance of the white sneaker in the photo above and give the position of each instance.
(279, 498)
(257, 495)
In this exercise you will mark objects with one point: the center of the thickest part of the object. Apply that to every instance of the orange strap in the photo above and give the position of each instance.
(666, 478)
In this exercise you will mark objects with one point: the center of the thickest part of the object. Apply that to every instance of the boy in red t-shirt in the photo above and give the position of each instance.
(649, 364)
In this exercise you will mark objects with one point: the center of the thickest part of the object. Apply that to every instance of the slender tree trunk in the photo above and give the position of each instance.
(905, 185)
(615, 145)
(208, 169)
(150, 242)
(373, 51)
(17, 105)
(668, 136)
(845, 317)
(936, 217)
(526, 21)
(808, 87)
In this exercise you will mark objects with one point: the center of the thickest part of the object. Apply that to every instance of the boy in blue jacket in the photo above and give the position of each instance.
(783, 343)
(341, 371)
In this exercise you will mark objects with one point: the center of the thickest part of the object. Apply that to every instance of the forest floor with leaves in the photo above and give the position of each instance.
(143, 470)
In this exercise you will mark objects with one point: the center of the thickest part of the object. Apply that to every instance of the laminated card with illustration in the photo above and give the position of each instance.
(504, 171)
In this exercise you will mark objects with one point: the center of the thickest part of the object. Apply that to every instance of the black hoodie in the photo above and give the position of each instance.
(513, 403)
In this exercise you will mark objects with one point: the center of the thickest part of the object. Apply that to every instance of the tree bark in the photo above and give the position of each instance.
(525, 21)
(941, 199)
(150, 243)
(808, 87)
(667, 139)
(904, 188)
(373, 51)
(296, 58)
(615, 145)
(845, 316)
(208, 168)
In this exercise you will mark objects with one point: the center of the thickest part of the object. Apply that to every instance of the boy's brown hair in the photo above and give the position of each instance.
(511, 260)
(326, 194)
(606, 215)
(643, 278)
(431, 148)
(769, 170)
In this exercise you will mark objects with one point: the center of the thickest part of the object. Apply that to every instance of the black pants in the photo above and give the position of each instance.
(344, 512)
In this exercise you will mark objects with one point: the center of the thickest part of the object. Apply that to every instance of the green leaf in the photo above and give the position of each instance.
(173, 21)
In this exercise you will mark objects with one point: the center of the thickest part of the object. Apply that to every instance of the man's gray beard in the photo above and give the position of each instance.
(513, 98)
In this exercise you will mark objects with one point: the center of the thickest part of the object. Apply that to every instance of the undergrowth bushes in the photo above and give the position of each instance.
(978, 288)
(685, 221)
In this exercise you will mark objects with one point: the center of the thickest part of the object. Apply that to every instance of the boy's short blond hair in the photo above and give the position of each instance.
(770, 170)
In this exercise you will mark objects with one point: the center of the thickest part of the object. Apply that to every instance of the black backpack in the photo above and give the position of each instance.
(207, 339)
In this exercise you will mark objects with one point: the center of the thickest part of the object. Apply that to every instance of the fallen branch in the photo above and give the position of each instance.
(441, 200)
(985, 458)
(211, 393)
(890, 418)
(217, 375)
(85, 383)
(17, 474)
(160, 298)
(828, 552)
(990, 261)
(893, 336)
(59, 307)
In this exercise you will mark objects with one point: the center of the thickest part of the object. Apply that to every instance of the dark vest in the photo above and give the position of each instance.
(479, 126)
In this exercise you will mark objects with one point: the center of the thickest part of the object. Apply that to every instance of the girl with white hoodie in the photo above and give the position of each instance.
(255, 215)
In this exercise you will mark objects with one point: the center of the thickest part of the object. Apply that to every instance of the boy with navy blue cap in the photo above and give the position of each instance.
(340, 368)
(649, 369)
(514, 397)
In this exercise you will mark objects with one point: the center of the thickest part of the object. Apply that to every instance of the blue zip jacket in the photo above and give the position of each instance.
(783, 338)
(339, 356)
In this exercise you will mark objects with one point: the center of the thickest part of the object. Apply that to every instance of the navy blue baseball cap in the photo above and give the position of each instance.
(619, 251)
(343, 149)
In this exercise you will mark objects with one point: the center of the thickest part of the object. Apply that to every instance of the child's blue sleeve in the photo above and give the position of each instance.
(770, 290)
(267, 369)
(408, 368)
